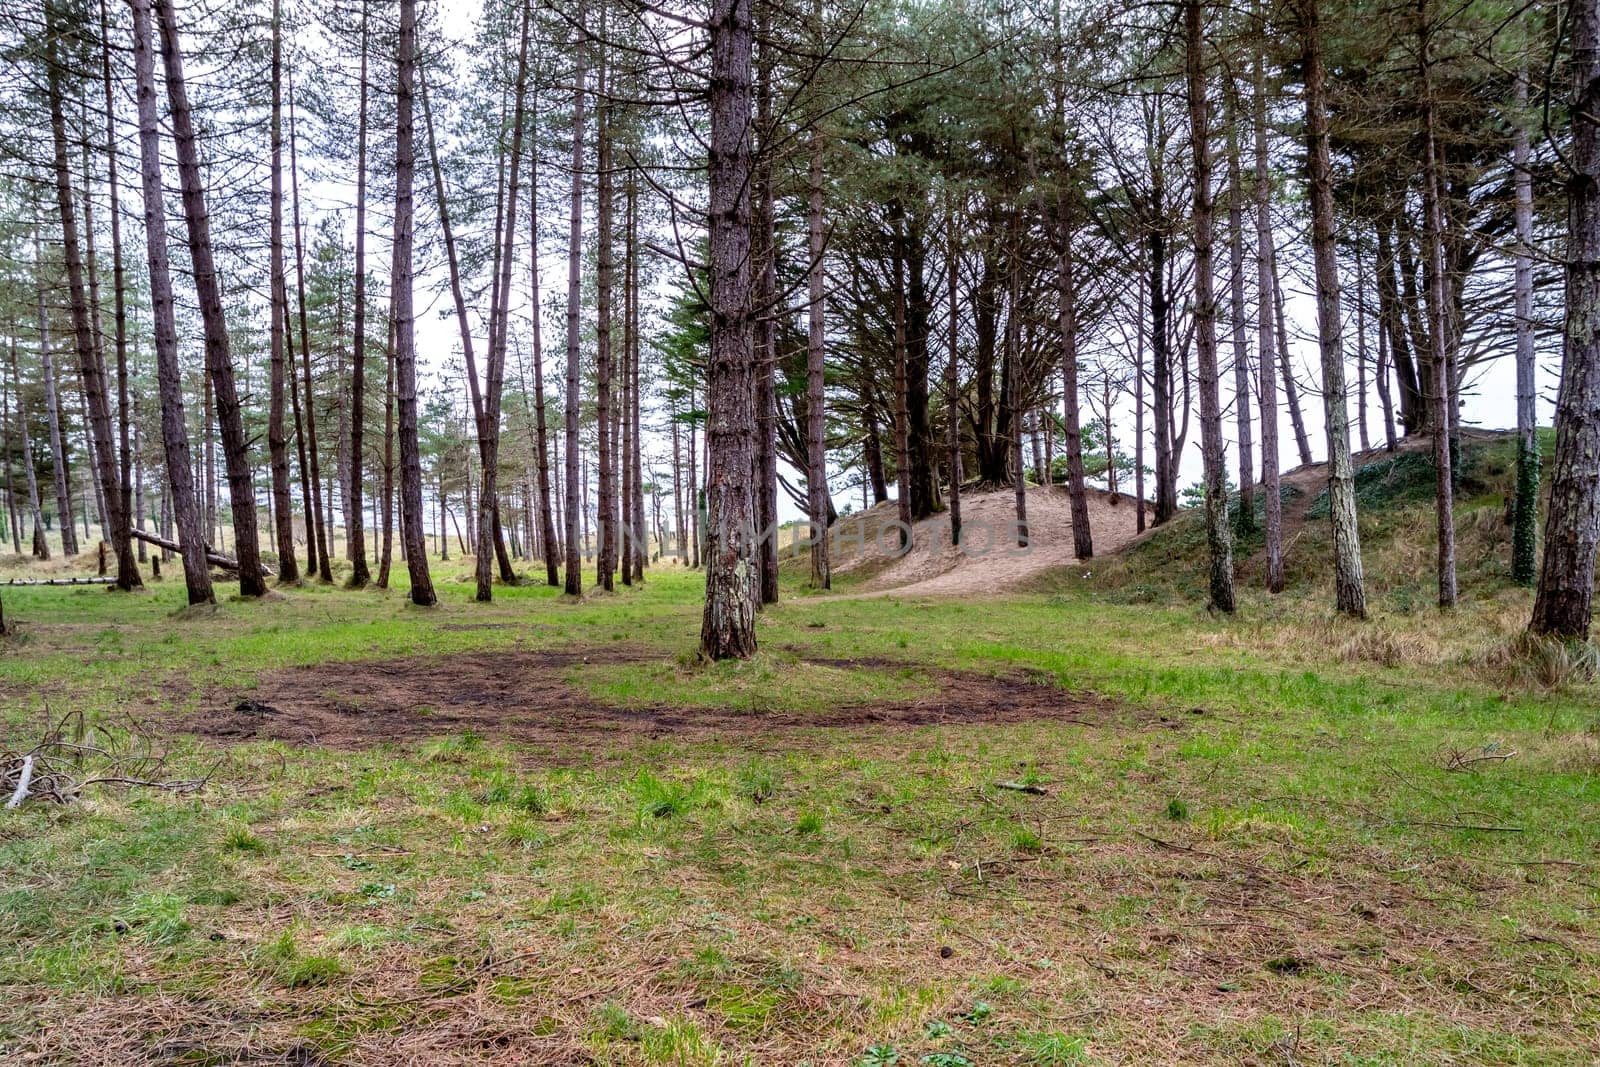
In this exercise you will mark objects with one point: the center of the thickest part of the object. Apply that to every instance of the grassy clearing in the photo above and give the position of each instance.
(1267, 859)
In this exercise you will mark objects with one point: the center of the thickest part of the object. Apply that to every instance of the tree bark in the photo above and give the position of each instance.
(97, 401)
(1349, 587)
(574, 510)
(764, 267)
(1236, 321)
(547, 528)
(315, 521)
(219, 362)
(356, 542)
(41, 547)
(952, 362)
(1219, 537)
(1266, 357)
(1067, 324)
(1440, 402)
(606, 488)
(728, 625)
(1525, 512)
(422, 592)
(1563, 605)
(816, 375)
(277, 442)
(488, 543)
(180, 493)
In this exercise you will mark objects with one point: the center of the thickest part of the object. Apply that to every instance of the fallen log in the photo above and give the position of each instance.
(213, 557)
(61, 581)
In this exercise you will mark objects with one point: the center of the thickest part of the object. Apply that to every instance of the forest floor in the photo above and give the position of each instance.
(1040, 828)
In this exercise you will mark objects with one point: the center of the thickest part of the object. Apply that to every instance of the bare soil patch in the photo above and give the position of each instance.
(526, 696)
(990, 561)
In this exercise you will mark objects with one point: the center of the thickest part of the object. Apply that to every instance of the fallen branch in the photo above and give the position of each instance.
(1024, 787)
(213, 557)
(24, 779)
(61, 581)
(67, 762)
(1460, 761)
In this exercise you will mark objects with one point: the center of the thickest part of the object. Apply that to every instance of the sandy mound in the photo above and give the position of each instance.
(989, 559)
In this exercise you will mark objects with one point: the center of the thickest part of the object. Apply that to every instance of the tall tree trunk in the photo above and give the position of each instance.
(41, 547)
(574, 510)
(277, 443)
(1067, 323)
(219, 362)
(1291, 390)
(1572, 527)
(404, 318)
(118, 277)
(764, 269)
(1361, 353)
(180, 495)
(605, 459)
(1266, 357)
(1013, 379)
(1438, 309)
(12, 512)
(640, 539)
(547, 528)
(952, 368)
(386, 559)
(1138, 411)
(1393, 329)
(728, 626)
(902, 432)
(1219, 537)
(315, 522)
(97, 402)
(816, 374)
(354, 534)
(494, 385)
(1161, 376)
(52, 411)
(1525, 521)
(1349, 588)
(1236, 321)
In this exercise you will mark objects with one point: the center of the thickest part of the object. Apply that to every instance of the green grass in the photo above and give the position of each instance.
(1259, 849)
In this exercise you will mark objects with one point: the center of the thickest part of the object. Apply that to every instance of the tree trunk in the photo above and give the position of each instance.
(1266, 357)
(277, 442)
(1572, 527)
(1219, 537)
(97, 402)
(354, 534)
(574, 576)
(180, 495)
(219, 363)
(52, 410)
(1067, 322)
(952, 358)
(1013, 380)
(488, 543)
(902, 434)
(404, 318)
(1438, 332)
(41, 547)
(641, 547)
(605, 460)
(386, 559)
(1236, 321)
(315, 521)
(118, 278)
(764, 269)
(1291, 389)
(1350, 592)
(728, 625)
(1525, 513)
(816, 374)
(547, 528)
